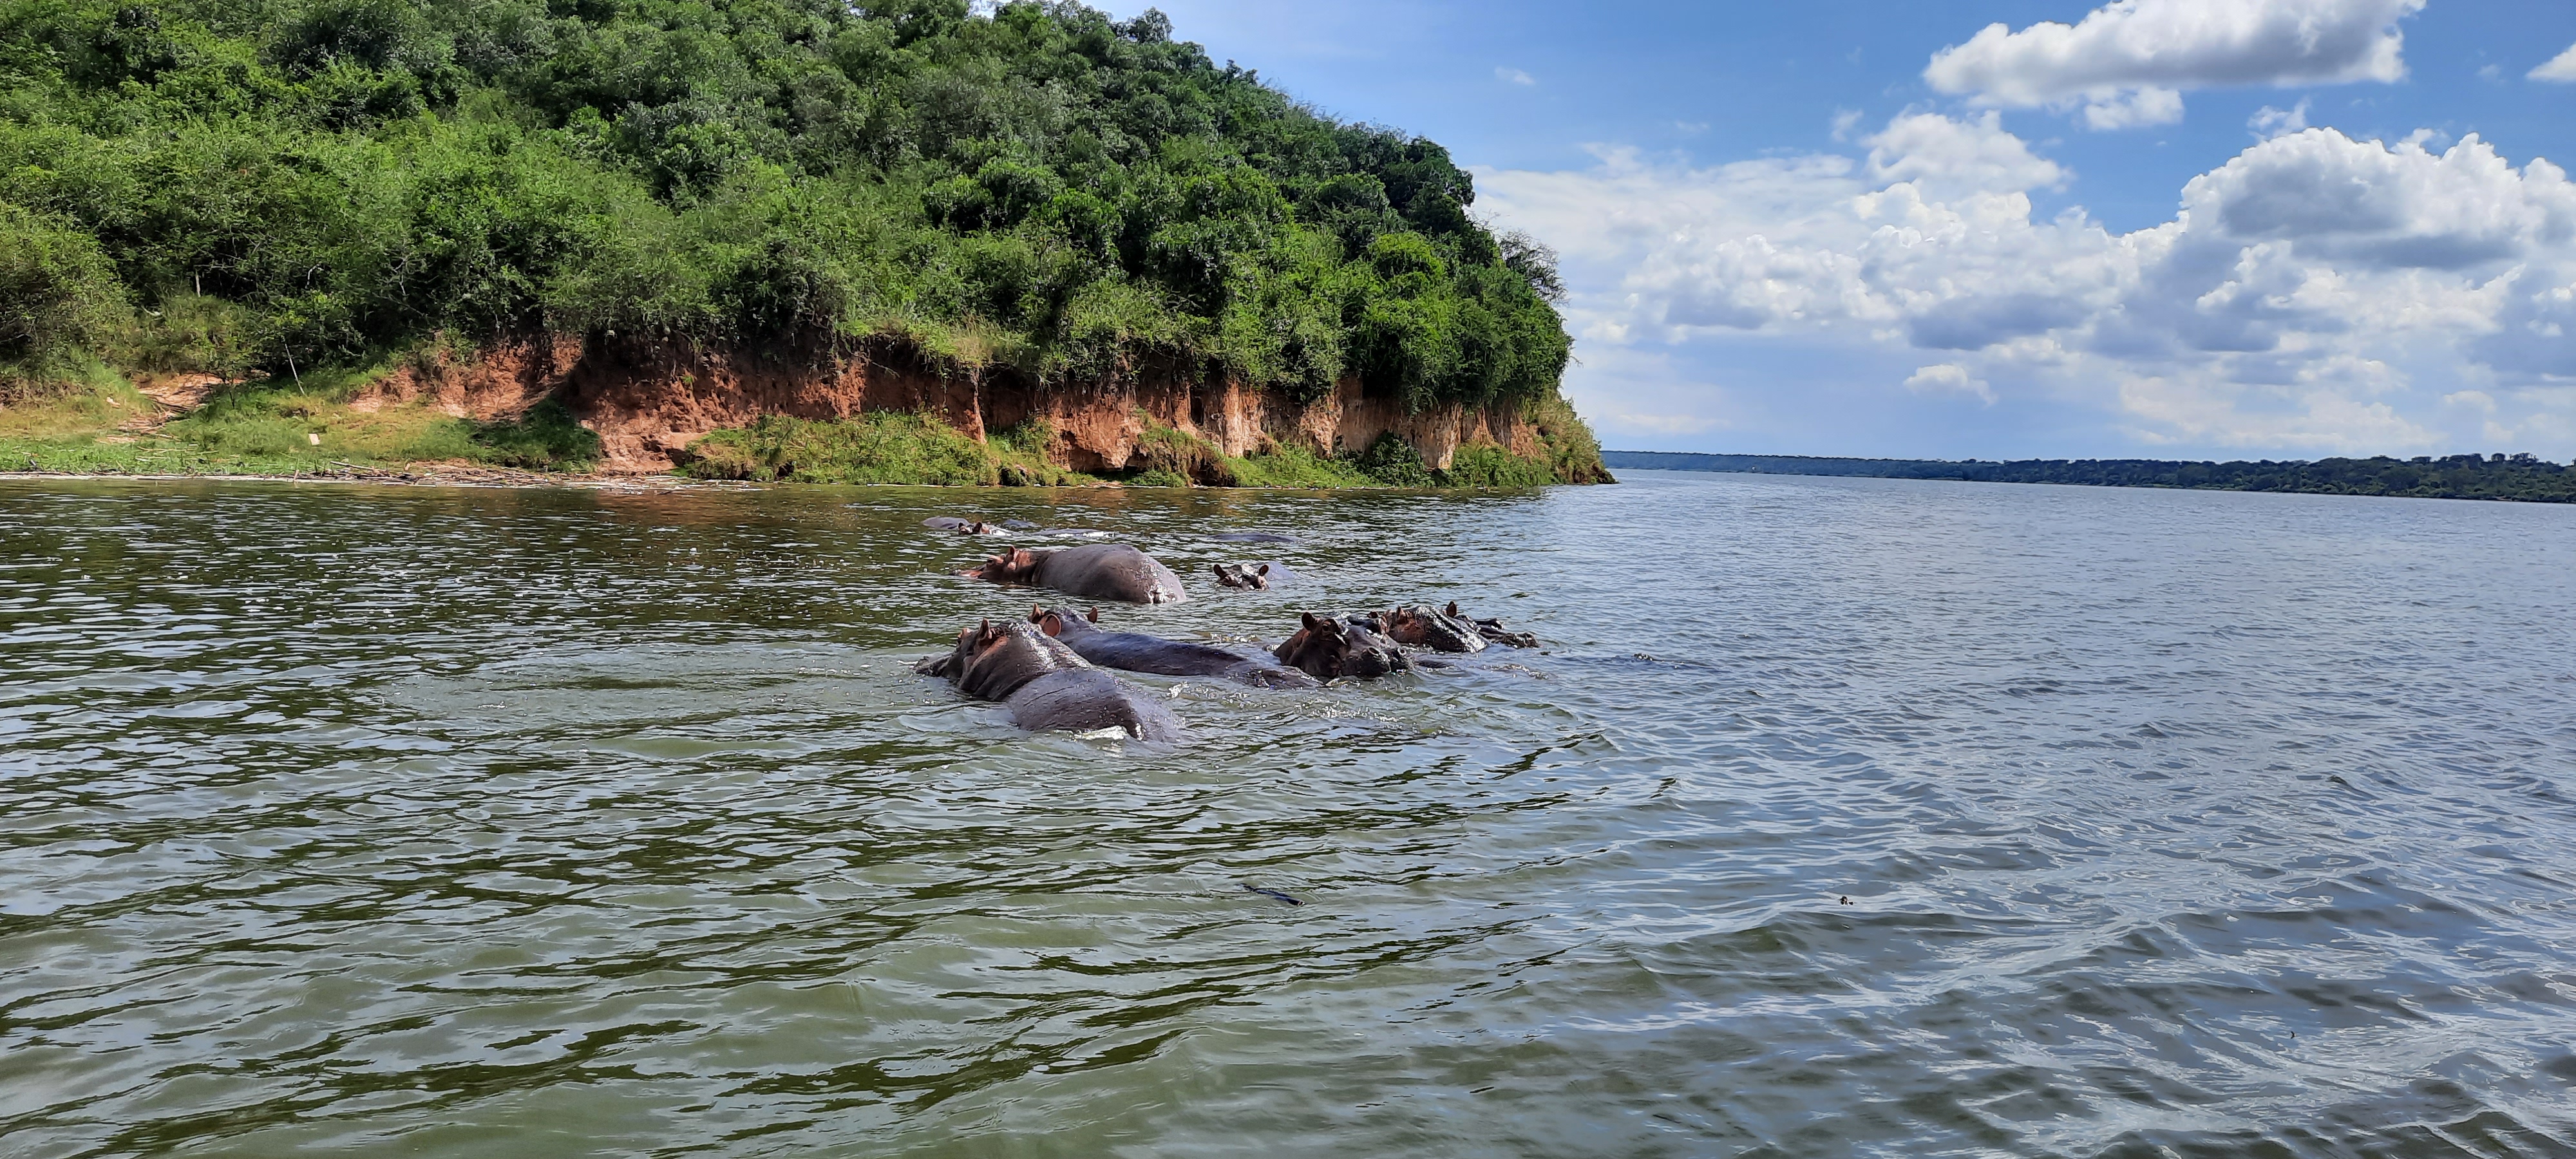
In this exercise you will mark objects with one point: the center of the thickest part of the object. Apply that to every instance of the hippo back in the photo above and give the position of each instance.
(1109, 571)
(1088, 699)
(997, 671)
(1138, 652)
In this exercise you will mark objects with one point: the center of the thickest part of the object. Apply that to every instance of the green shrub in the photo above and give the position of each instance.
(195, 334)
(547, 437)
(873, 448)
(59, 300)
(1170, 452)
(1488, 465)
(1287, 465)
(1157, 477)
(1392, 462)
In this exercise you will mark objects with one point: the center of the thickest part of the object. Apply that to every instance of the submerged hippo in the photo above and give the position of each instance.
(1494, 630)
(1325, 648)
(1138, 652)
(1258, 575)
(1423, 626)
(1046, 686)
(961, 526)
(1102, 571)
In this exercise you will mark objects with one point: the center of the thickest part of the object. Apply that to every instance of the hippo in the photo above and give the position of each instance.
(1494, 630)
(1102, 571)
(1422, 626)
(1257, 575)
(1138, 652)
(1325, 648)
(961, 526)
(1046, 686)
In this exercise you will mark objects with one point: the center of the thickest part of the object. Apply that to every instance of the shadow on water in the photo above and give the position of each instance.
(1908, 819)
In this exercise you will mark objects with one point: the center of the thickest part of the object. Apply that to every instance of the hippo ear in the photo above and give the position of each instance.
(1093, 615)
(1037, 613)
(1312, 624)
(1453, 608)
(1263, 569)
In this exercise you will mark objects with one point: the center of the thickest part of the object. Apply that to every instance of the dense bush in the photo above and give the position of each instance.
(274, 184)
(59, 299)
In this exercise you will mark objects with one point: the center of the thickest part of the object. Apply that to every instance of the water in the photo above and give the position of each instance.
(543, 823)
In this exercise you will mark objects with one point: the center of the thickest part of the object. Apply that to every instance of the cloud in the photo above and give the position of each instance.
(1515, 76)
(2127, 63)
(2297, 299)
(1953, 155)
(2272, 122)
(2560, 68)
(1949, 378)
(2137, 108)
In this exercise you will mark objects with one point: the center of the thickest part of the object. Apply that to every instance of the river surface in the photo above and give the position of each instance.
(1835, 817)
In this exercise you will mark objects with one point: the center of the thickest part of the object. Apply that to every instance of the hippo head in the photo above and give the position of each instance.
(1256, 576)
(1424, 627)
(1325, 648)
(1058, 622)
(1017, 565)
(980, 527)
(991, 661)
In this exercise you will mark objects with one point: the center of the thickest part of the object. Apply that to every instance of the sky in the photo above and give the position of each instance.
(2149, 228)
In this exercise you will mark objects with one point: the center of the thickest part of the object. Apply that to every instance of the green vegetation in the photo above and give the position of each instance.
(1487, 465)
(876, 448)
(1392, 462)
(257, 188)
(2515, 477)
(101, 425)
(1292, 466)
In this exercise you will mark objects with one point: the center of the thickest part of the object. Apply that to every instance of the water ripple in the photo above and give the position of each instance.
(1837, 817)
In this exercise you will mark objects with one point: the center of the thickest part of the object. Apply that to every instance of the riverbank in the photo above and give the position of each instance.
(353, 426)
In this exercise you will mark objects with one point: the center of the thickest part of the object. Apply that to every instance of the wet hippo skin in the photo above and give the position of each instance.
(1326, 648)
(1102, 571)
(1138, 652)
(1046, 685)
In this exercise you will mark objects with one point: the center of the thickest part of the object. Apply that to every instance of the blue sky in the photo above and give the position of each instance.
(1888, 229)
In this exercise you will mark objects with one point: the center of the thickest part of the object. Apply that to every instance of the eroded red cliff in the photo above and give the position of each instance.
(649, 401)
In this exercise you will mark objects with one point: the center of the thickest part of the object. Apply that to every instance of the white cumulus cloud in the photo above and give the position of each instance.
(1514, 76)
(2314, 292)
(2560, 68)
(1952, 155)
(1949, 378)
(2127, 63)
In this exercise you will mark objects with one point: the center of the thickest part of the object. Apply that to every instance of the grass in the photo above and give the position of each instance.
(872, 448)
(1293, 466)
(100, 424)
(1488, 465)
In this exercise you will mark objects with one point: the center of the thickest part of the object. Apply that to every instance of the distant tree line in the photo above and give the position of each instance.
(2517, 477)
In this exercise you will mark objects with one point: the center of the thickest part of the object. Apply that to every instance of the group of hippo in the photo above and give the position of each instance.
(1049, 669)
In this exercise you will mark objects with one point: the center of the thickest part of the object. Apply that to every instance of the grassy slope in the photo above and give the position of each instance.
(102, 425)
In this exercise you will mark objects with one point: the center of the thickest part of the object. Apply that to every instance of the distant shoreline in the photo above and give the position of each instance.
(2507, 478)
